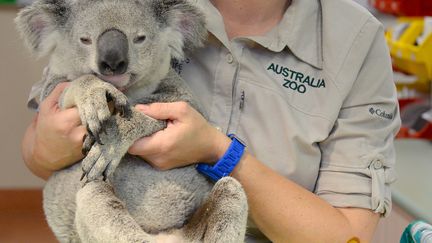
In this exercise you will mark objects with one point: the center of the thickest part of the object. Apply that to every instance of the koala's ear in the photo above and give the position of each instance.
(39, 23)
(185, 25)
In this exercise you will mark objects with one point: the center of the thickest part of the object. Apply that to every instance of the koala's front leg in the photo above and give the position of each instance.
(91, 96)
(120, 133)
(223, 216)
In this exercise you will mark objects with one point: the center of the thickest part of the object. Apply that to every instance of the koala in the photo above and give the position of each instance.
(115, 54)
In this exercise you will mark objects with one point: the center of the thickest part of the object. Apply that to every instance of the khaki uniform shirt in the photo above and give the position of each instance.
(313, 98)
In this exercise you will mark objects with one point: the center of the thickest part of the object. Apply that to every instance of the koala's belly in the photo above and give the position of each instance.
(159, 200)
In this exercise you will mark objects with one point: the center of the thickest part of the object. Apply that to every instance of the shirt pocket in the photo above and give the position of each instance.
(277, 133)
(310, 90)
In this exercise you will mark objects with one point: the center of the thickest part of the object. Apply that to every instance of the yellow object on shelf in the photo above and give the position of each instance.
(410, 44)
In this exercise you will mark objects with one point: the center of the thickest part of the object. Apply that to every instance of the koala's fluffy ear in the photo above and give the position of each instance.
(39, 23)
(185, 25)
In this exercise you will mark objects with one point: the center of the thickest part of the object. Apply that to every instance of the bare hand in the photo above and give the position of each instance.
(58, 134)
(188, 138)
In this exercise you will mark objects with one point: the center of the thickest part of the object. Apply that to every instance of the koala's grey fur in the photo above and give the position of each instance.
(136, 203)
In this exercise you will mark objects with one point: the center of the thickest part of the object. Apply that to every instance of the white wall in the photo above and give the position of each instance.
(18, 71)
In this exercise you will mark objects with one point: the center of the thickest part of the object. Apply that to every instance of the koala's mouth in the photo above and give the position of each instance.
(119, 81)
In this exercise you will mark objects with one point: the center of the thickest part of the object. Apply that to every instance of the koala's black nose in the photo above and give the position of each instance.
(112, 49)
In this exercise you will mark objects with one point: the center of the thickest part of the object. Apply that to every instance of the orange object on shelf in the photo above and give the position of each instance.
(407, 101)
(404, 7)
(416, 120)
(424, 133)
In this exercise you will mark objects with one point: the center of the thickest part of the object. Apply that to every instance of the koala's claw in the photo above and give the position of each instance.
(121, 104)
(103, 130)
(125, 111)
(82, 176)
(105, 174)
(92, 137)
(85, 149)
(108, 96)
(88, 142)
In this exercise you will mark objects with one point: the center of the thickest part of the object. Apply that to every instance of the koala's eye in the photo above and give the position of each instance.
(85, 40)
(139, 39)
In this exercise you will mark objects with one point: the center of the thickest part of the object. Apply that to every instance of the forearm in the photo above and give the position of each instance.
(286, 212)
(283, 210)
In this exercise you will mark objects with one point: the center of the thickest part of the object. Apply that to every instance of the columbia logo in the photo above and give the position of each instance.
(381, 113)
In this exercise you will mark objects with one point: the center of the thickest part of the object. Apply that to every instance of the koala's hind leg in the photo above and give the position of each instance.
(222, 218)
(102, 217)
(59, 203)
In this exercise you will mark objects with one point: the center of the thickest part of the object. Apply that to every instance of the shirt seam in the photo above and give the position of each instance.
(356, 38)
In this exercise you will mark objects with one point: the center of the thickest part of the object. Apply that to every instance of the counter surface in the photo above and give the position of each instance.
(413, 189)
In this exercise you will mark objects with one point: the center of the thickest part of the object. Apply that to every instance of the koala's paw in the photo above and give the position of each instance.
(100, 162)
(93, 106)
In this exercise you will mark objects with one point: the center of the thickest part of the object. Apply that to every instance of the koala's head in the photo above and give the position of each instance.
(121, 41)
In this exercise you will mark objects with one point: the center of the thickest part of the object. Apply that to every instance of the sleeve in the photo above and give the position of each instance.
(35, 92)
(358, 158)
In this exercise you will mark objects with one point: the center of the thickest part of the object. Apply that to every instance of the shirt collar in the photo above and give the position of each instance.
(214, 21)
(300, 30)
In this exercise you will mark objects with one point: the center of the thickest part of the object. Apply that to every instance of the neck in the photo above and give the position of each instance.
(250, 17)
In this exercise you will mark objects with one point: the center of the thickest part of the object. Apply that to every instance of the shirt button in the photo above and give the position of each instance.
(377, 164)
(230, 58)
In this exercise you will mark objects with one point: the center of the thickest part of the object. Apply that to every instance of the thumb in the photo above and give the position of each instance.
(163, 111)
(52, 99)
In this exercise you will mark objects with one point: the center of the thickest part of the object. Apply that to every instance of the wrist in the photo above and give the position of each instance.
(235, 172)
(220, 146)
(224, 166)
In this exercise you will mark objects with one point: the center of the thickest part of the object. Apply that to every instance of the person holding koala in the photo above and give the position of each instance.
(301, 82)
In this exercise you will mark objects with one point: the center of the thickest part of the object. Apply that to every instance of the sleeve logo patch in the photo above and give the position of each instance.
(380, 113)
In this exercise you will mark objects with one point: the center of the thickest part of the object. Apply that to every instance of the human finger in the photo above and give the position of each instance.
(51, 101)
(165, 111)
(145, 146)
(70, 116)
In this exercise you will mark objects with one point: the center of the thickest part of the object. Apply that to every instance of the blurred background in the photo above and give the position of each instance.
(410, 42)
(18, 72)
(21, 216)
